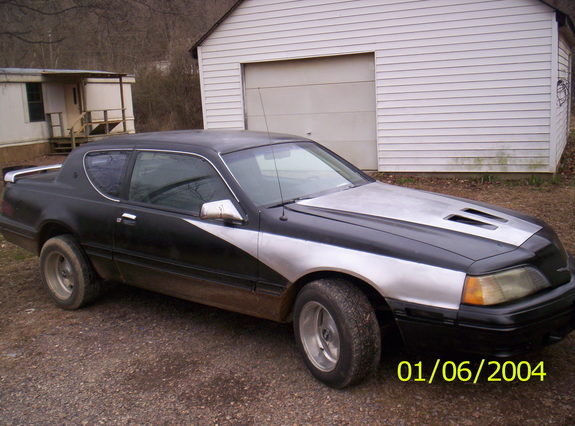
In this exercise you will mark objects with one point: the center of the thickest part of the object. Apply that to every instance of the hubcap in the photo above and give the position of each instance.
(59, 276)
(319, 336)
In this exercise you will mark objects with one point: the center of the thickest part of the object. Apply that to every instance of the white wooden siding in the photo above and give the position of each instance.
(16, 128)
(562, 99)
(461, 85)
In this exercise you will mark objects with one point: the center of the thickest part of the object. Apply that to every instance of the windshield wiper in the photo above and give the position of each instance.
(290, 201)
(318, 194)
(345, 186)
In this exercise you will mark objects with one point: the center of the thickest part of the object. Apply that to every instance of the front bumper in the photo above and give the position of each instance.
(502, 331)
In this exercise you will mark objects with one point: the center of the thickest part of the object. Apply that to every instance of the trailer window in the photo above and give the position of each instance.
(35, 102)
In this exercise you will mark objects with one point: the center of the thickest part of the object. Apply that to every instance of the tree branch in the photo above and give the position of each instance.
(20, 36)
(44, 12)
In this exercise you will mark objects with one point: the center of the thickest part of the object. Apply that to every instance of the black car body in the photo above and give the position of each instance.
(450, 273)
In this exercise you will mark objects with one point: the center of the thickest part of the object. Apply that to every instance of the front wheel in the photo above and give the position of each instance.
(337, 332)
(67, 274)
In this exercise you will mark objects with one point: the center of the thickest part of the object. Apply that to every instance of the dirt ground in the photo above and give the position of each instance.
(135, 357)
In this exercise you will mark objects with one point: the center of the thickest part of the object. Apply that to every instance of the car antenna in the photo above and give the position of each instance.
(283, 216)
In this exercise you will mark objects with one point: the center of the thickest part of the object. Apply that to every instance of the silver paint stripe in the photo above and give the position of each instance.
(410, 205)
(245, 239)
(394, 278)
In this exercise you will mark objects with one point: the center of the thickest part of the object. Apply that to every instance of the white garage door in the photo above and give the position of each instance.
(330, 100)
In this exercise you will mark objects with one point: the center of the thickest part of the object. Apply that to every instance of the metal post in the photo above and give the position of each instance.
(88, 122)
(123, 106)
(49, 118)
(61, 123)
(106, 121)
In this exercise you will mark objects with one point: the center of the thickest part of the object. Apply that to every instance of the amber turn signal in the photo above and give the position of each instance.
(503, 286)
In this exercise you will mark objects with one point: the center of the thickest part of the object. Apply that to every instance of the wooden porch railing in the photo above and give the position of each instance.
(90, 120)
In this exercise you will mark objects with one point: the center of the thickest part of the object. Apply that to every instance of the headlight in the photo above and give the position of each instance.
(502, 286)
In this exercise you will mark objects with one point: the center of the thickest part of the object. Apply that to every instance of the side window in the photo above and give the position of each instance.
(105, 170)
(179, 181)
(35, 102)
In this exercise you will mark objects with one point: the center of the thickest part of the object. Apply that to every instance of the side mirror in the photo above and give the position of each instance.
(222, 209)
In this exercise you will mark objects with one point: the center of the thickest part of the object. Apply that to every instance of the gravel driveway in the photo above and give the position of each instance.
(138, 357)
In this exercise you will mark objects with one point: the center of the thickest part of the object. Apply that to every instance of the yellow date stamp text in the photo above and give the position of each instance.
(465, 371)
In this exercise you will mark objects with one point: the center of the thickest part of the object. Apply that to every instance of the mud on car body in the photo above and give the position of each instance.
(278, 227)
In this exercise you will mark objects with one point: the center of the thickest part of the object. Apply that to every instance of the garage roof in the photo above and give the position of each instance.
(564, 18)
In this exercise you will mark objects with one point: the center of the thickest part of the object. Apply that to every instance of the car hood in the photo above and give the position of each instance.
(432, 211)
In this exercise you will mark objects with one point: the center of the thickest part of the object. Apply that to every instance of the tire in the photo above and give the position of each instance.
(337, 332)
(67, 273)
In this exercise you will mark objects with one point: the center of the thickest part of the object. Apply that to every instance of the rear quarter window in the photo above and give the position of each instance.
(105, 170)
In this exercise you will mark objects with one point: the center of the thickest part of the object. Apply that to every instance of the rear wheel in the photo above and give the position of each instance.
(337, 332)
(67, 274)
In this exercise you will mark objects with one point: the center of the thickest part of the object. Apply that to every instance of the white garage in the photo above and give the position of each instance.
(397, 85)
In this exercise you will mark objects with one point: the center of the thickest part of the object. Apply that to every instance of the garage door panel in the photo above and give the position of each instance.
(331, 100)
(355, 153)
(327, 130)
(326, 127)
(347, 97)
(335, 69)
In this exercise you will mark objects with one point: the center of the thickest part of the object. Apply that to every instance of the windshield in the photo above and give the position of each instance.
(303, 169)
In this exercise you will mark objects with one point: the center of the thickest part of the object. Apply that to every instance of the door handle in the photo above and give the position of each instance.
(127, 218)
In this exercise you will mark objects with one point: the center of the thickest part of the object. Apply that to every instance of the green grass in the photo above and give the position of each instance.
(405, 180)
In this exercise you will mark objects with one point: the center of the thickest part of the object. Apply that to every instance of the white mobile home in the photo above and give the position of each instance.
(397, 85)
(41, 110)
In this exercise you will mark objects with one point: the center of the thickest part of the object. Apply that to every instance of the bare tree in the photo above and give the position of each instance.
(149, 38)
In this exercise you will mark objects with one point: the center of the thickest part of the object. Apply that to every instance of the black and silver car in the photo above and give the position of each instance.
(278, 227)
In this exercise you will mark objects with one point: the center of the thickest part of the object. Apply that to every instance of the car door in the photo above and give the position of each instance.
(95, 206)
(159, 240)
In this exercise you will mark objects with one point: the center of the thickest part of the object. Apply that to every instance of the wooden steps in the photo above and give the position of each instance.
(64, 145)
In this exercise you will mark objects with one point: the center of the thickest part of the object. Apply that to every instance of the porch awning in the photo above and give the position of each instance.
(82, 74)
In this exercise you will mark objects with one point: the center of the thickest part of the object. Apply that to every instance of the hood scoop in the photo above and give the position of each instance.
(485, 215)
(469, 221)
(466, 220)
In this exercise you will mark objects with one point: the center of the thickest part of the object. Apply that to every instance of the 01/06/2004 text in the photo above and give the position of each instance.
(464, 371)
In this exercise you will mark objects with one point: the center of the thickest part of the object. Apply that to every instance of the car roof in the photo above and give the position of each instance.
(221, 141)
